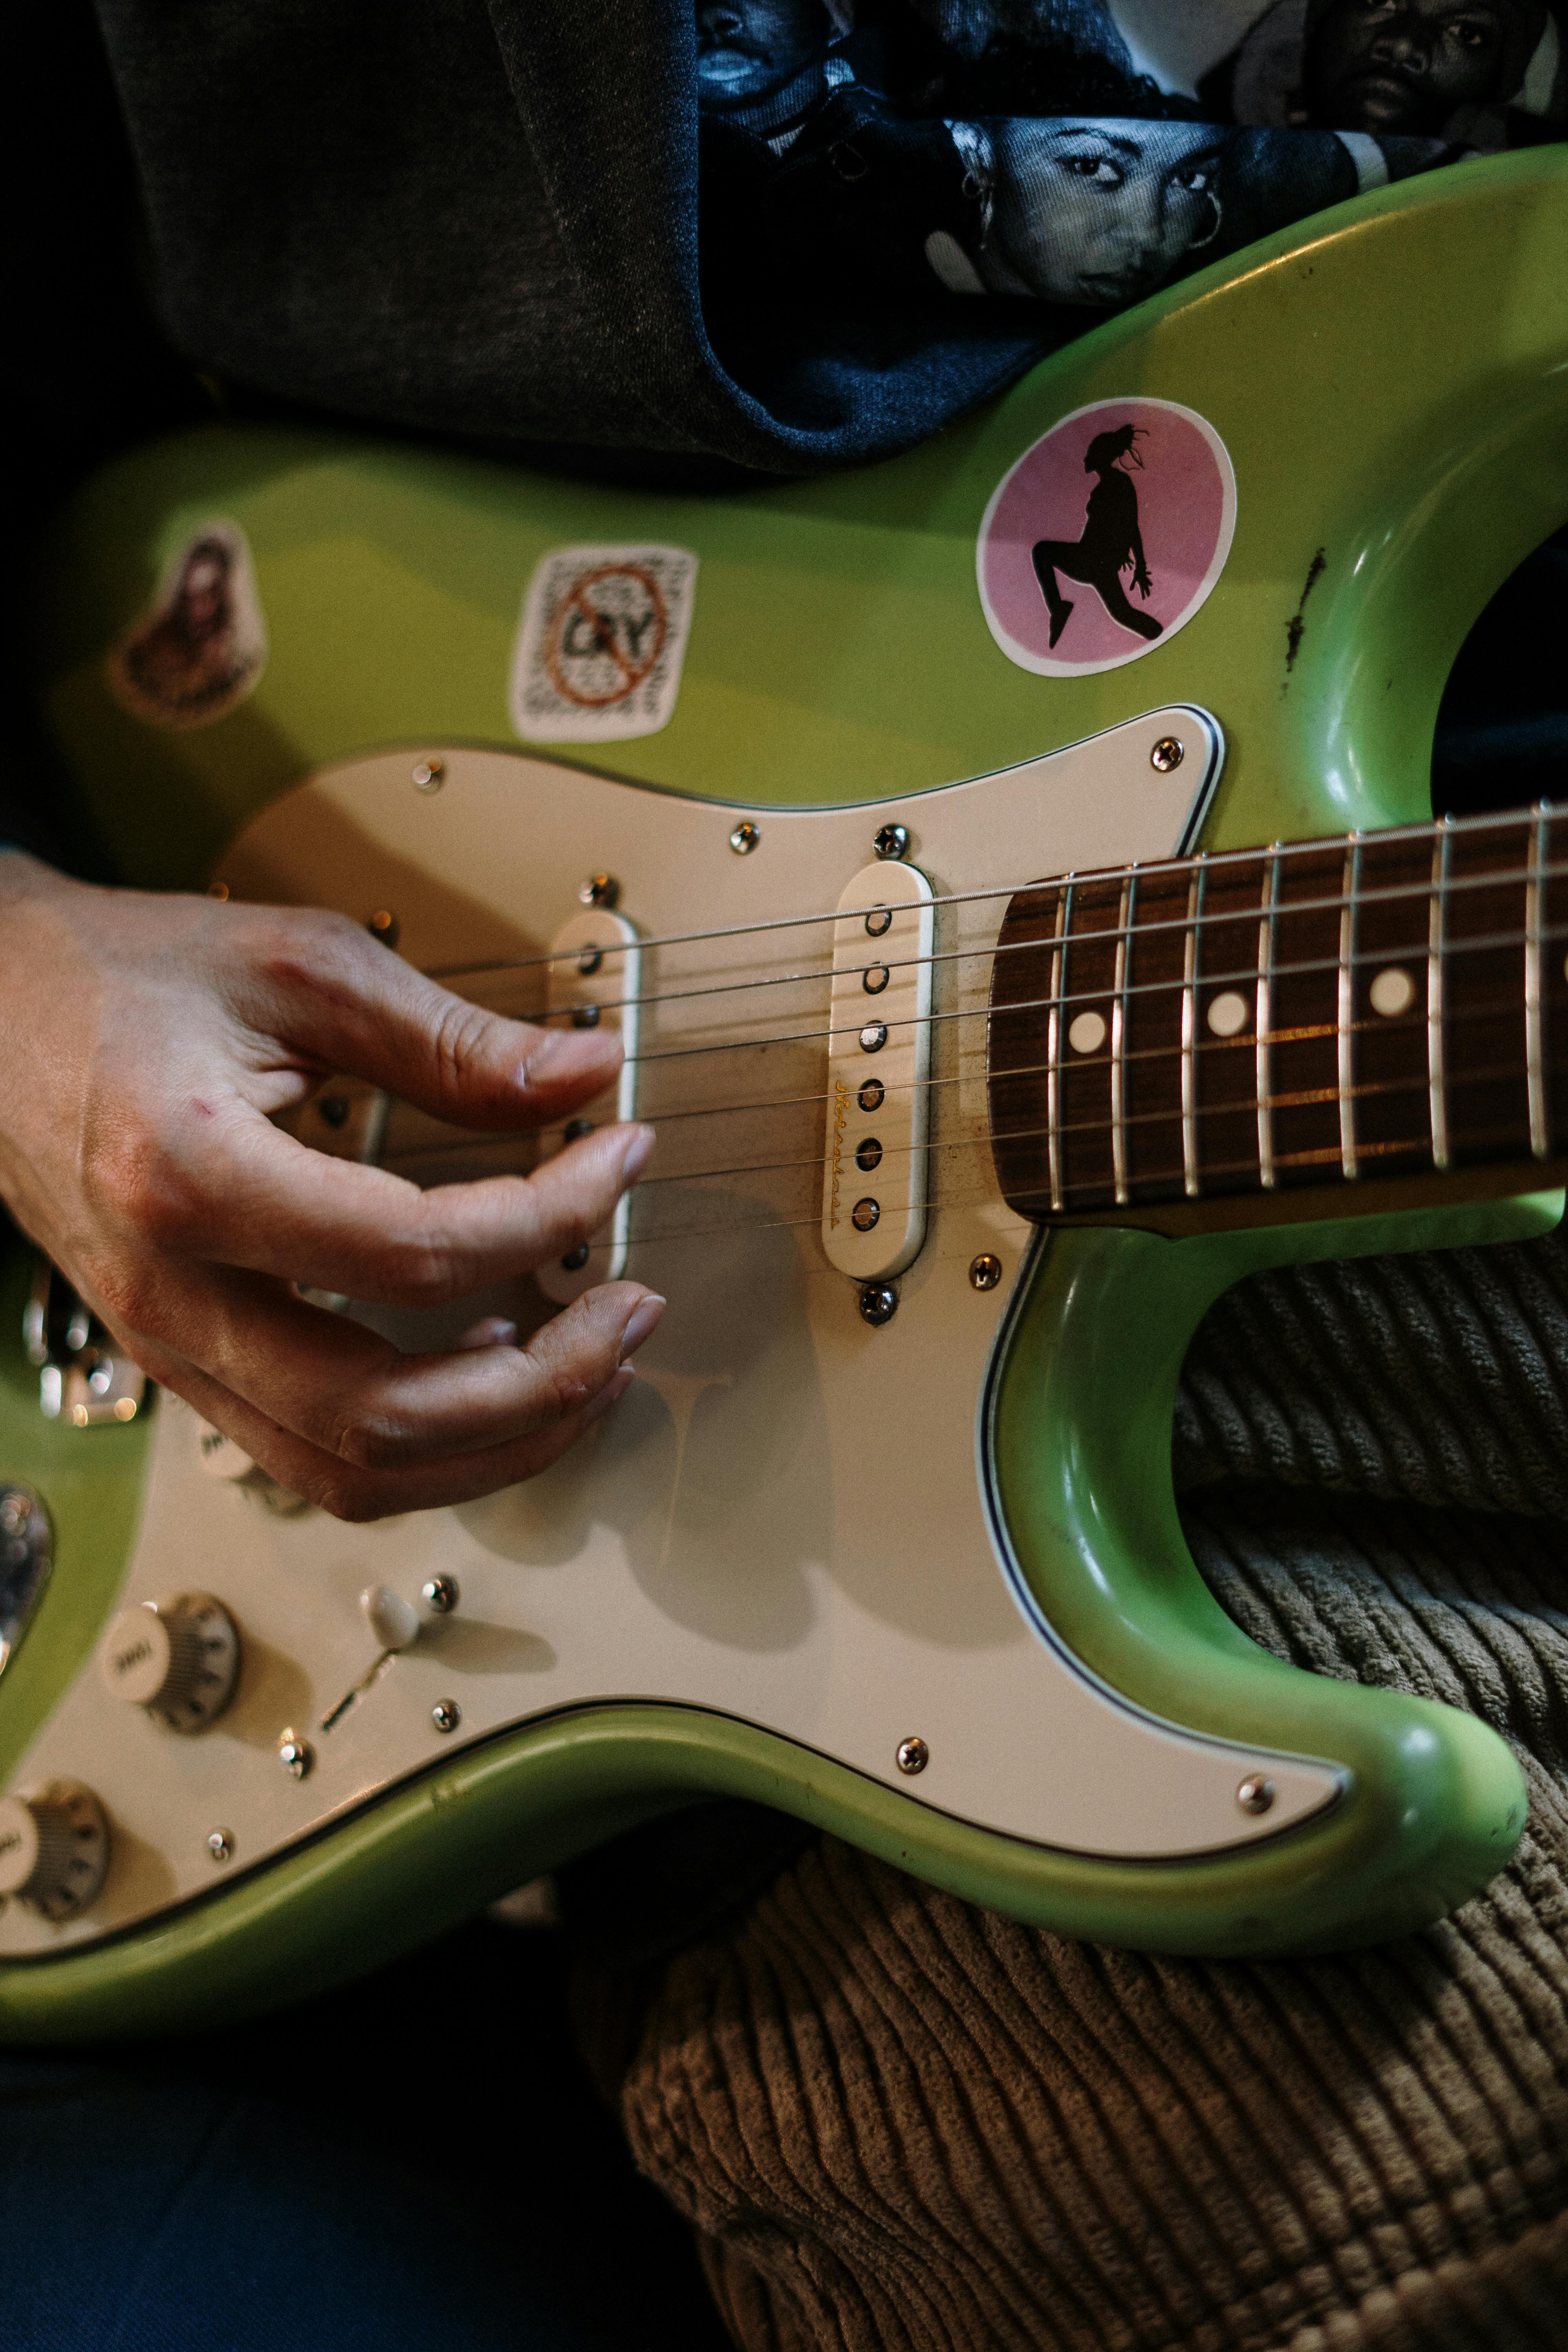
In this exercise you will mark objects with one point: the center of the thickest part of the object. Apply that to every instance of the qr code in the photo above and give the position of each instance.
(601, 643)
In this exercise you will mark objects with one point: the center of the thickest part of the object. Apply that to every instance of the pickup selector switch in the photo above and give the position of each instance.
(177, 1657)
(54, 1848)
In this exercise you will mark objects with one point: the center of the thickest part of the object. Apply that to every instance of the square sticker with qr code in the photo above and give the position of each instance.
(601, 643)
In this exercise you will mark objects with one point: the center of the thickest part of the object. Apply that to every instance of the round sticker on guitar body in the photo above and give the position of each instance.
(1106, 537)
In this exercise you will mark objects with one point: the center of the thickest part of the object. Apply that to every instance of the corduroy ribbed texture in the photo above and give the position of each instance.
(900, 2123)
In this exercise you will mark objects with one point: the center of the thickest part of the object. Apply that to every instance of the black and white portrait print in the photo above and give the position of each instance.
(1086, 152)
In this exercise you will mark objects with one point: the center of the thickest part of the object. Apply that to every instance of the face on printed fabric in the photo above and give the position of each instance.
(746, 46)
(1099, 213)
(1408, 66)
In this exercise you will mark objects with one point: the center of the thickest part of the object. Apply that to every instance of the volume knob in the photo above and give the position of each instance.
(54, 1848)
(177, 1657)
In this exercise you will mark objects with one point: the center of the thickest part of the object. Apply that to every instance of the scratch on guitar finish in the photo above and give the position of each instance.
(1295, 628)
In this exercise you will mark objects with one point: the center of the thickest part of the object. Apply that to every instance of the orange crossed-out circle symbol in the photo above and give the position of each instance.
(605, 635)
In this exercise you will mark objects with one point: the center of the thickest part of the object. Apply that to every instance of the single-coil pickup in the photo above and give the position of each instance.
(595, 975)
(878, 1058)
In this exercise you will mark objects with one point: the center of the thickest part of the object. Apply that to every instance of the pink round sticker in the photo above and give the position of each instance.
(1106, 536)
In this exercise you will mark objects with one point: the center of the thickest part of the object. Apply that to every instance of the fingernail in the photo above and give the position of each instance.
(639, 1151)
(640, 1323)
(495, 1331)
(614, 1387)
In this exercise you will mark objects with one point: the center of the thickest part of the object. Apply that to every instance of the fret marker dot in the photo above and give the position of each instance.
(1391, 993)
(1087, 1032)
(1228, 1013)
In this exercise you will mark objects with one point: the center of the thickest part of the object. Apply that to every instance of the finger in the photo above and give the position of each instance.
(494, 1331)
(328, 990)
(351, 1492)
(236, 1190)
(350, 1392)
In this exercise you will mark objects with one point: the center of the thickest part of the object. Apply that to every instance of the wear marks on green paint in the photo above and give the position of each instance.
(1296, 625)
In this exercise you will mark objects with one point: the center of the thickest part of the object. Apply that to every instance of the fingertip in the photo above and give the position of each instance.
(614, 1388)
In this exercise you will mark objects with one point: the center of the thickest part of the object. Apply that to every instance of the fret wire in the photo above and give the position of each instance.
(1263, 1041)
(1346, 1009)
(1118, 1015)
(1189, 1031)
(1054, 1041)
(1533, 1059)
(1437, 926)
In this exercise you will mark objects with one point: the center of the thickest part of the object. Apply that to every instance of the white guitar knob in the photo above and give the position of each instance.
(54, 1848)
(177, 1657)
(224, 1459)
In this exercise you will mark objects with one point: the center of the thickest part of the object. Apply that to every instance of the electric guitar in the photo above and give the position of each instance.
(1002, 976)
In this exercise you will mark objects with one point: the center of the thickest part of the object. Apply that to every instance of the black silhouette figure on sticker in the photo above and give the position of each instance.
(1111, 543)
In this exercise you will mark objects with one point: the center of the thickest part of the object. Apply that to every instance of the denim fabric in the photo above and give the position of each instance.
(417, 2165)
(483, 220)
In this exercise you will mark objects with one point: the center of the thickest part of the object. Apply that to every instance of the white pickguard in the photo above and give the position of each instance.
(783, 1521)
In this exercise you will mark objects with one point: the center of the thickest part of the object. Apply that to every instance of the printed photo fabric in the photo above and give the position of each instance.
(1086, 152)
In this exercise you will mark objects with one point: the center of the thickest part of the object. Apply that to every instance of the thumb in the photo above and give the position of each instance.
(351, 1002)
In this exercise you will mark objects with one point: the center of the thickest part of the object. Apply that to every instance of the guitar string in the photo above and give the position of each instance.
(1245, 1106)
(1422, 829)
(1245, 1040)
(1328, 1158)
(1488, 941)
(1134, 932)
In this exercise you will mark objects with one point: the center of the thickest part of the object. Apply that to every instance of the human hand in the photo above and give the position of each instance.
(1142, 581)
(145, 1045)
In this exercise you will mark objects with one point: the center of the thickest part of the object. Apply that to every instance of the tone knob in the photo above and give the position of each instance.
(177, 1657)
(54, 1848)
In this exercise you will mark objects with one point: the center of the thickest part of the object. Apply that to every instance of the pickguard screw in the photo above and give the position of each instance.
(600, 891)
(744, 838)
(220, 1845)
(878, 1304)
(913, 1755)
(1256, 1795)
(440, 1593)
(891, 840)
(984, 1271)
(296, 1756)
(429, 775)
(333, 1111)
(1168, 753)
(575, 1129)
(575, 1260)
(446, 1715)
(384, 925)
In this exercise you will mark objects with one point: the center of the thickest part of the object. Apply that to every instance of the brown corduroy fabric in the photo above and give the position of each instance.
(901, 2123)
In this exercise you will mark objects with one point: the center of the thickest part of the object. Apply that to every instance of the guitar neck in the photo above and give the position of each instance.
(1384, 1005)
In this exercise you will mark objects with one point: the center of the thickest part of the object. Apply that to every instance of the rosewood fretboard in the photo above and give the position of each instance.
(1386, 1004)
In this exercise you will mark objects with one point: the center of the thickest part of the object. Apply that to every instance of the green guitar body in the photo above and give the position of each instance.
(1393, 394)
